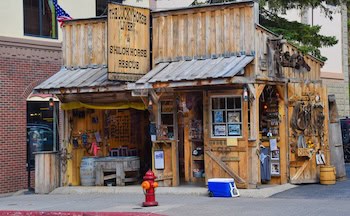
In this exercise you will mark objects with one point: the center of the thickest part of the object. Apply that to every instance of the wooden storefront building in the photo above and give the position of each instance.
(224, 98)
(225, 93)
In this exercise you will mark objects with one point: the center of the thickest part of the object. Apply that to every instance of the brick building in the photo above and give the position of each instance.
(24, 64)
(30, 52)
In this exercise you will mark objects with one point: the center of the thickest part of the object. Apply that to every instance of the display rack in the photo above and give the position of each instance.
(269, 127)
(197, 151)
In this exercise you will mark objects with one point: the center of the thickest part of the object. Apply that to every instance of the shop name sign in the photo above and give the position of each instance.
(128, 42)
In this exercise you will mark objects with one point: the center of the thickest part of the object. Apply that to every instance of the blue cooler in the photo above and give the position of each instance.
(222, 187)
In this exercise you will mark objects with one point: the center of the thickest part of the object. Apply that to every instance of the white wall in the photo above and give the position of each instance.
(11, 16)
(159, 4)
(329, 28)
(168, 4)
(11, 20)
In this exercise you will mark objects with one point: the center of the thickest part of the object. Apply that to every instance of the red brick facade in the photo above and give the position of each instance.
(23, 65)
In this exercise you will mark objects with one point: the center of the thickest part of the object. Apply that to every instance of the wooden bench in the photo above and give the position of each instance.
(118, 165)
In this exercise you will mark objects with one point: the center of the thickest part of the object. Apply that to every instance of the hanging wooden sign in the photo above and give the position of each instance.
(128, 42)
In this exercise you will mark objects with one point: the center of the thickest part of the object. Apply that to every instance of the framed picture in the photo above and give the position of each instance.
(219, 130)
(218, 116)
(233, 117)
(273, 144)
(234, 130)
(275, 155)
(159, 159)
(275, 168)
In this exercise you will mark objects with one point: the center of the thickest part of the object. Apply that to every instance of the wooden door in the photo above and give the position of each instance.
(308, 133)
(226, 157)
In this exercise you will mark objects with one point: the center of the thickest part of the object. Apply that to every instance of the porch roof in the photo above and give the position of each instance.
(195, 71)
(80, 80)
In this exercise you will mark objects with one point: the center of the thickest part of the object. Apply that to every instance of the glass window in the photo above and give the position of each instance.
(226, 116)
(40, 135)
(40, 18)
(101, 6)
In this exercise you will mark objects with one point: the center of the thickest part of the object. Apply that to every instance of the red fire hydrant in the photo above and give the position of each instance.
(149, 185)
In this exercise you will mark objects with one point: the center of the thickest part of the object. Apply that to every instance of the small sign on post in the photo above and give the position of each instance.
(159, 159)
(139, 93)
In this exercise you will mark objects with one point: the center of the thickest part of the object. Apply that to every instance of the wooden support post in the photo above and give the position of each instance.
(119, 171)
(175, 162)
(283, 142)
(206, 133)
(187, 149)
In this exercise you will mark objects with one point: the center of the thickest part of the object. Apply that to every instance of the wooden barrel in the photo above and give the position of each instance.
(327, 175)
(87, 171)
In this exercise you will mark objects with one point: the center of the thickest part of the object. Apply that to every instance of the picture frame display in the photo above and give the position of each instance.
(275, 155)
(233, 117)
(219, 130)
(234, 130)
(218, 116)
(275, 168)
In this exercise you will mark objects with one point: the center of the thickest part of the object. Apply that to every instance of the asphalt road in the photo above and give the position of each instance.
(341, 190)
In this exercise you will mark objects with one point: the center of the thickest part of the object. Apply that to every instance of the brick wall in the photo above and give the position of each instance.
(345, 61)
(341, 91)
(23, 64)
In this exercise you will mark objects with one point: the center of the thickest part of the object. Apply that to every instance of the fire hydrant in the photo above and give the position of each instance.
(149, 185)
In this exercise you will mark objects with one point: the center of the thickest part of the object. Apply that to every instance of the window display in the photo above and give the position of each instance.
(226, 116)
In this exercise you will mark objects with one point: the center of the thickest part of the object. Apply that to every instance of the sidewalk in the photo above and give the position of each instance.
(127, 201)
(181, 190)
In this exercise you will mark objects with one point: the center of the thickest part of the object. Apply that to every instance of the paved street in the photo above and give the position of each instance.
(311, 199)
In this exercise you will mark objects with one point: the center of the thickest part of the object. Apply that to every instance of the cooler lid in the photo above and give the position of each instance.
(220, 180)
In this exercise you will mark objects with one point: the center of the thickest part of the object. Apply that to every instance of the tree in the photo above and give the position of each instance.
(305, 37)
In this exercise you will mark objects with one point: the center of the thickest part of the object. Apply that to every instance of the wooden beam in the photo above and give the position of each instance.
(280, 90)
(260, 89)
(175, 163)
(252, 90)
(237, 178)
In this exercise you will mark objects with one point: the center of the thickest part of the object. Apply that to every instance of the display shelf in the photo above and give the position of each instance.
(197, 161)
(198, 158)
(196, 140)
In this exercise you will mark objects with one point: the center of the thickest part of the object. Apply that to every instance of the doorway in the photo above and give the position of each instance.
(269, 134)
(190, 133)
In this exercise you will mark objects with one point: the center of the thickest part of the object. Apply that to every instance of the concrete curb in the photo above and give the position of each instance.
(185, 190)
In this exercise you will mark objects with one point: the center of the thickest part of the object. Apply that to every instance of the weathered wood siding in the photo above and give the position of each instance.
(203, 32)
(304, 169)
(128, 42)
(262, 61)
(85, 42)
(46, 172)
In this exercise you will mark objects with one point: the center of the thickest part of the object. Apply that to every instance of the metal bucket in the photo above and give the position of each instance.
(87, 171)
(327, 175)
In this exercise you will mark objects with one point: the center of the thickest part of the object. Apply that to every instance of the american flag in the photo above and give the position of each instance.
(61, 14)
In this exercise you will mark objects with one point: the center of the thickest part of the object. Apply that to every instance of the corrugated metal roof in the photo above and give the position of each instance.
(91, 79)
(222, 67)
